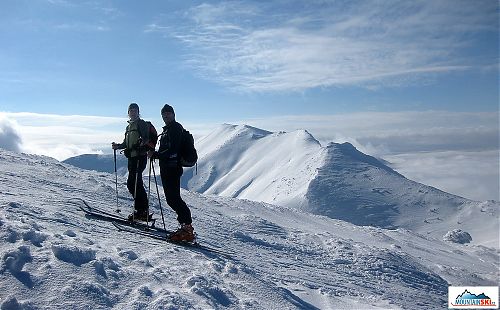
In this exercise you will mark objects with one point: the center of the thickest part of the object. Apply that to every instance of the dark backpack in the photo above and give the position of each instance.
(187, 152)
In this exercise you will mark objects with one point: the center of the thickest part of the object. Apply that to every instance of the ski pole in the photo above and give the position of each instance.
(135, 189)
(159, 201)
(149, 191)
(116, 183)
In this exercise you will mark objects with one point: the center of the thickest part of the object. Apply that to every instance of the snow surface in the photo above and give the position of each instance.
(294, 170)
(240, 161)
(54, 257)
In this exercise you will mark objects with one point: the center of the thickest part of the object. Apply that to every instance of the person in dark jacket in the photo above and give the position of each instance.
(136, 145)
(171, 172)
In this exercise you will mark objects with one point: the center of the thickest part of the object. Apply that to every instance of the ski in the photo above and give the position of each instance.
(164, 237)
(108, 216)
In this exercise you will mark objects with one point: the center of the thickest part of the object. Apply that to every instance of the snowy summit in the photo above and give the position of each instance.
(274, 256)
(294, 170)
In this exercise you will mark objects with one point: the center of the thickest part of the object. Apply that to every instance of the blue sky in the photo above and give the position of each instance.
(379, 74)
(258, 58)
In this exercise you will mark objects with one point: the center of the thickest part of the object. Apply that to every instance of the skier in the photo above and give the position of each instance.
(171, 172)
(136, 143)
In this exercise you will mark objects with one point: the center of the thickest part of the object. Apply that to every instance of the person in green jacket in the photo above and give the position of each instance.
(136, 145)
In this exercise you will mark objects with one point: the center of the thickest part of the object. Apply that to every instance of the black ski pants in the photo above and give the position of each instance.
(171, 180)
(136, 166)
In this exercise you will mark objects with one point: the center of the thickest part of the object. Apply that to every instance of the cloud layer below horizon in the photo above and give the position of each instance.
(453, 151)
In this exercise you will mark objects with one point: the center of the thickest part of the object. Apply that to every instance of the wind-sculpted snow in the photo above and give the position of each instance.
(458, 236)
(72, 254)
(54, 257)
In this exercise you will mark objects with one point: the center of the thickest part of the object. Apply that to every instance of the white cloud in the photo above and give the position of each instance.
(472, 175)
(281, 46)
(396, 132)
(63, 136)
(453, 151)
(83, 27)
(71, 16)
(9, 137)
(56, 119)
(374, 132)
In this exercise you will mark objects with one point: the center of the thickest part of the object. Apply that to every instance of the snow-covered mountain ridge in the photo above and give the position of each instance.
(53, 257)
(292, 169)
(250, 163)
(357, 188)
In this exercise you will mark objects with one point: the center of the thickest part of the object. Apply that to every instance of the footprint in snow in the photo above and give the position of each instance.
(11, 302)
(144, 290)
(106, 266)
(14, 261)
(205, 288)
(35, 237)
(70, 233)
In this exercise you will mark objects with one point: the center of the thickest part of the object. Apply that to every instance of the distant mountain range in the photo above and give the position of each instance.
(293, 169)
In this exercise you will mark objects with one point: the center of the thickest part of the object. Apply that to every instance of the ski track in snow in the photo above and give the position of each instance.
(54, 257)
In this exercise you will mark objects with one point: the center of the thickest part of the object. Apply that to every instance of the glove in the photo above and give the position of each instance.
(153, 155)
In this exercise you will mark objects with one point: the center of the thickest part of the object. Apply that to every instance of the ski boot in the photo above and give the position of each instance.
(183, 234)
(140, 216)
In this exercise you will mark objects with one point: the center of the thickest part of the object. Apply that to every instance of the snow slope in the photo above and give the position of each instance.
(53, 257)
(240, 161)
(358, 188)
(294, 170)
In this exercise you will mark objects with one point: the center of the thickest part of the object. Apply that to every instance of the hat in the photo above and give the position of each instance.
(133, 105)
(167, 108)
